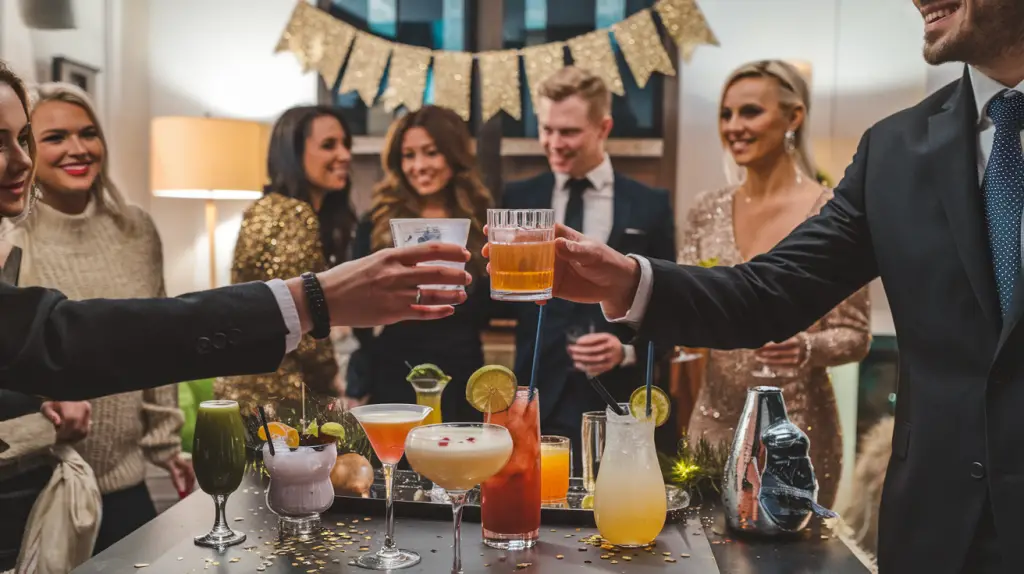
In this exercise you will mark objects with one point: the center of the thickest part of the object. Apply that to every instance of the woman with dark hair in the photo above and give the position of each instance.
(429, 171)
(304, 222)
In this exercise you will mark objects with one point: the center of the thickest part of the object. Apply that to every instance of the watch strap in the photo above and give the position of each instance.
(317, 304)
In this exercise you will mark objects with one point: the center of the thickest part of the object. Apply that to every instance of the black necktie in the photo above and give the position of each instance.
(574, 209)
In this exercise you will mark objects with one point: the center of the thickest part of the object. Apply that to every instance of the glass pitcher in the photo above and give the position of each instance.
(629, 498)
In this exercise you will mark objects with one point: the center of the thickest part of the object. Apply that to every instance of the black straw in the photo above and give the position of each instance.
(266, 429)
(606, 396)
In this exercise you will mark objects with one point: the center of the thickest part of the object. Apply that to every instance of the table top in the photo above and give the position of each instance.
(700, 544)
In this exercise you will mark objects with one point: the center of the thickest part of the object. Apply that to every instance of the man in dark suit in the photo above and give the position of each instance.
(933, 204)
(587, 195)
(82, 349)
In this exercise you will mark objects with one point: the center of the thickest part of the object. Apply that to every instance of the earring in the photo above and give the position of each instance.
(790, 143)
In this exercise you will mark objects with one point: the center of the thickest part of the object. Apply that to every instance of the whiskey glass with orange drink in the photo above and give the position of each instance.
(386, 427)
(522, 253)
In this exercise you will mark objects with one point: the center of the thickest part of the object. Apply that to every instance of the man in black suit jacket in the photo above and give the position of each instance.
(933, 204)
(587, 194)
(83, 349)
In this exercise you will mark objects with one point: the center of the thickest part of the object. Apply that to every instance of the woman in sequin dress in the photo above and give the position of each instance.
(303, 222)
(429, 171)
(763, 126)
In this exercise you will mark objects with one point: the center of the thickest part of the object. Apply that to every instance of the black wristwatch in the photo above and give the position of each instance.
(317, 304)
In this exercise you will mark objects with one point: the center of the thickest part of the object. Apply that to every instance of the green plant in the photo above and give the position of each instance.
(696, 467)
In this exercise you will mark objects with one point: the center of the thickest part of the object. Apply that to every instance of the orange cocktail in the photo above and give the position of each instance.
(555, 457)
(386, 427)
(522, 243)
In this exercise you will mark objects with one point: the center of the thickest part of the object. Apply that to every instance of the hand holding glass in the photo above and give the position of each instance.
(411, 232)
(522, 244)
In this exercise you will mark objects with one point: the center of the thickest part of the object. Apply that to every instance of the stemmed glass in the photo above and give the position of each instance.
(218, 456)
(386, 427)
(458, 457)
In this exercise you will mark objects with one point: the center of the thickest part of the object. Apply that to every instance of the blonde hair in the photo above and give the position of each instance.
(572, 81)
(793, 94)
(103, 191)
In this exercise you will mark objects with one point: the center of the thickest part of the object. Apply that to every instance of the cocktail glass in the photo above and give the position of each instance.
(410, 232)
(386, 427)
(428, 394)
(555, 468)
(629, 500)
(510, 500)
(522, 253)
(457, 457)
(218, 457)
(300, 485)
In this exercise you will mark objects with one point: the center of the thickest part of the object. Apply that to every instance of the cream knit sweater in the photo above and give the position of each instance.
(100, 255)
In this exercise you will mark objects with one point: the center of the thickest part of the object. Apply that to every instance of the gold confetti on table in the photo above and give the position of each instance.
(141, 565)
(559, 556)
(233, 560)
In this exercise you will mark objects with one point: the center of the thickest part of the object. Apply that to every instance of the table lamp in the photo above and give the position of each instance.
(210, 159)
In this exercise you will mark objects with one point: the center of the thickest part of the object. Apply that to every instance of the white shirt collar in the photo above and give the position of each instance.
(601, 177)
(985, 88)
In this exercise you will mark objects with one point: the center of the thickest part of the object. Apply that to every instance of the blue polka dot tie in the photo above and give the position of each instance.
(1004, 192)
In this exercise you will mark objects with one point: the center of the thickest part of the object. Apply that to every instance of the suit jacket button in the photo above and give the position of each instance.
(235, 336)
(220, 341)
(203, 345)
(977, 470)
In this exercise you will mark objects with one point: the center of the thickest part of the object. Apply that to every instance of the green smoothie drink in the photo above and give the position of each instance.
(218, 455)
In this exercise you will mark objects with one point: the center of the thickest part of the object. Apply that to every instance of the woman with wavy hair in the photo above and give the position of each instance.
(429, 171)
(763, 126)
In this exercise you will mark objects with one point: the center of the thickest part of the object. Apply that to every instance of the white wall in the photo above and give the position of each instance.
(215, 57)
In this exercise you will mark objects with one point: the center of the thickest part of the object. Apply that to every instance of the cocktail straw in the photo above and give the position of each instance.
(650, 374)
(606, 396)
(536, 351)
(266, 429)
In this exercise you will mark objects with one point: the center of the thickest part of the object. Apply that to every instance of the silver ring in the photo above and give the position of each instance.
(419, 296)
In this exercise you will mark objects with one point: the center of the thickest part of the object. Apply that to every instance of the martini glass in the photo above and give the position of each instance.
(386, 427)
(457, 457)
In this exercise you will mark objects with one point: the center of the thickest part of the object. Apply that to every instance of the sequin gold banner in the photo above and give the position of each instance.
(366, 65)
(686, 24)
(593, 52)
(642, 47)
(407, 78)
(453, 76)
(540, 62)
(318, 40)
(499, 76)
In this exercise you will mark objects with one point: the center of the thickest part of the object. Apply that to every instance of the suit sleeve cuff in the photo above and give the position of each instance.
(638, 309)
(288, 312)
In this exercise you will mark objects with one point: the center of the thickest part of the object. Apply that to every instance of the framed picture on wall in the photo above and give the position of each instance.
(77, 73)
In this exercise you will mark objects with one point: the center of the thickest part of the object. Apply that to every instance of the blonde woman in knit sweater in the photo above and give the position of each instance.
(85, 240)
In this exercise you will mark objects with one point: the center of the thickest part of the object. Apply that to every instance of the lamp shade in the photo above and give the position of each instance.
(207, 158)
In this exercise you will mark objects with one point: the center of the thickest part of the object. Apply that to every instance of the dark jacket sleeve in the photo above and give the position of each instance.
(777, 294)
(359, 373)
(70, 350)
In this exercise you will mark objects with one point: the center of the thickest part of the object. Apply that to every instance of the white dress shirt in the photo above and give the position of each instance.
(984, 88)
(598, 215)
(289, 312)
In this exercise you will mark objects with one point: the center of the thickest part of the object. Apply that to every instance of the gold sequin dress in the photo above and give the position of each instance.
(842, 336)
(280, 238)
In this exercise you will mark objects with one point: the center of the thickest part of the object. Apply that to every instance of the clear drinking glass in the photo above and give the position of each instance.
(386, 427)
(592, 435)
(522, 253)
(555, 469)
(457, 457)
(411, 232)
(218, 457)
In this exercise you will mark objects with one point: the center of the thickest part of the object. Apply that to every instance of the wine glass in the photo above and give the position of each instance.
(218, 456)
(458, 457)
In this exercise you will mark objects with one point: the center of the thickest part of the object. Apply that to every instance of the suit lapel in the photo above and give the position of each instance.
(620, 212)
(952, 172)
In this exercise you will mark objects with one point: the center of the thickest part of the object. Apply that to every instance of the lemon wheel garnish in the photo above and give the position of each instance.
(660, 405)
(491, 389)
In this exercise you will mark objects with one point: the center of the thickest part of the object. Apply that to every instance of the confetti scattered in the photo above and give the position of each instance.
(523, 565)
(141, 565)
(685, 555)
(233, 560)
(670, 559)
